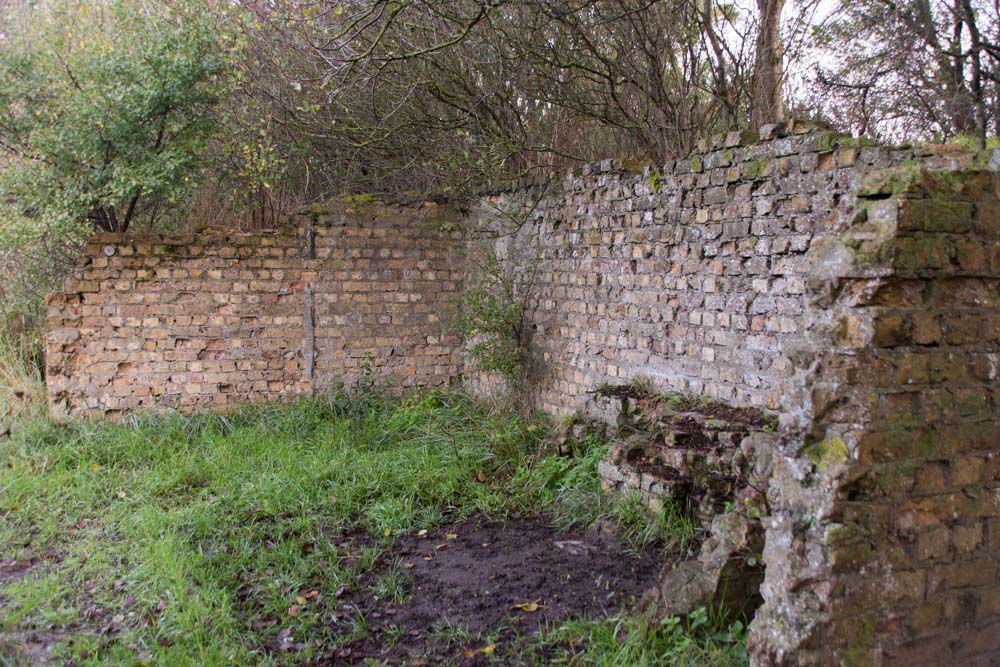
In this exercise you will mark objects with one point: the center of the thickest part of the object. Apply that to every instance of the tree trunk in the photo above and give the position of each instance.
(767, 104)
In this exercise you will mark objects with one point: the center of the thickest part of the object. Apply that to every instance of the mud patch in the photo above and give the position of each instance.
(473, 576)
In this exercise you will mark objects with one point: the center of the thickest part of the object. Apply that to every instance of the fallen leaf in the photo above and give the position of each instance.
(408, 565)
(440, 546)
(451, 536)
(293, 611)
(485, 650)
(529, 607)
(312, 594)
(300, 600)
(386, 532)
(480, 477)
(428, 557)
(421, 533)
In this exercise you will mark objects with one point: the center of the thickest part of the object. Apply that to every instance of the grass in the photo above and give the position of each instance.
(192, 538)
(638, 642)
(22, 388)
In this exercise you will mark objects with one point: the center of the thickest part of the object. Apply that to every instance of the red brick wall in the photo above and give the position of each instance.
(217, 319)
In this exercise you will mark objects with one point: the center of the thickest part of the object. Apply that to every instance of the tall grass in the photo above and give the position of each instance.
(22, 385)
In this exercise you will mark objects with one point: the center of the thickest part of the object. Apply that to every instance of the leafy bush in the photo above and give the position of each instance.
(489, 318)
(107, 110)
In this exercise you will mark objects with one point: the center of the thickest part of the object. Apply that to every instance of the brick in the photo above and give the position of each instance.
(961, 575)
(968, 538)
(933, 544)
(936, 215)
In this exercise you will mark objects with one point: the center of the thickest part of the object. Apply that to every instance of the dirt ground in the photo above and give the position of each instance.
(495, 581)
(468, 586)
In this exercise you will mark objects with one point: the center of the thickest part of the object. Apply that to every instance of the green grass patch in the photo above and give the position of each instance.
(189, 539)
(636, 641)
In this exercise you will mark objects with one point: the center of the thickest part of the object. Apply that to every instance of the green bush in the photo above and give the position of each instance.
(489, 318)
(107, 109)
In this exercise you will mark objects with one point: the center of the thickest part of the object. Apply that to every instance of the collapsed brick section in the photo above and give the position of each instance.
(218, 319)
(711, 461)
(674, 448)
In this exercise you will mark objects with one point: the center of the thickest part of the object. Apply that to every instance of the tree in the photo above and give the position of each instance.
(106, 109)
(767, 103)
(379, 95)
(899, 69)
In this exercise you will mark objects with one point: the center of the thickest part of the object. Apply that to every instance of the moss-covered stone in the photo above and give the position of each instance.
(936, 215)
(756, 169)
(827, 454)
(634, 166)
(919, 254)
(655, 180)
(829, 140)
(888, 182)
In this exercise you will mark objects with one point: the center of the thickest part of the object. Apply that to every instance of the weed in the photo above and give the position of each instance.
(22, 387)
(570, 489)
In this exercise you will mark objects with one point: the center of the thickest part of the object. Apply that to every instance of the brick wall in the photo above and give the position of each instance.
(691, 274)
(851, 289)
(882, 544)
(217, 319)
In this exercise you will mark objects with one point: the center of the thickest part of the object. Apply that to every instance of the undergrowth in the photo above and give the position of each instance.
(696, 641)
(22, 388)
(187, 540)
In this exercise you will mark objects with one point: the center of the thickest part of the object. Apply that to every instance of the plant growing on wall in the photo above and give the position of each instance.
(488, 319)
(490, 314)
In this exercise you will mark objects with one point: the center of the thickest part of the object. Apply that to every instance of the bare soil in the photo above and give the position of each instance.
(496, 582)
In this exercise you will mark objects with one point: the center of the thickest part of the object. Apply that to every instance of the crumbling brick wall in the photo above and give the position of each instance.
(852, 290)
(886, 502)
(220, 318)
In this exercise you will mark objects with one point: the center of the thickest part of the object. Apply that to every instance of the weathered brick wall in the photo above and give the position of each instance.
(217, 319)
(885, 509)
(801, 274)
(691, 274)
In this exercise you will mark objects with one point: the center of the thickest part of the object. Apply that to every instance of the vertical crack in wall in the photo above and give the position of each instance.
(311, 238)
(309, 334)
